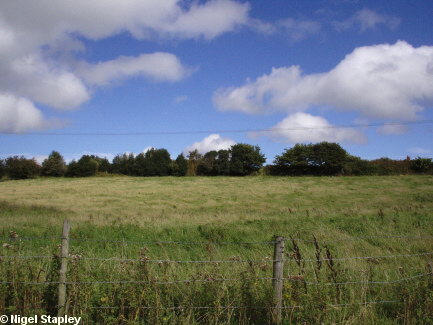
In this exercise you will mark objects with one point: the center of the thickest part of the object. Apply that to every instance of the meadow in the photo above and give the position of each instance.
(207, 219)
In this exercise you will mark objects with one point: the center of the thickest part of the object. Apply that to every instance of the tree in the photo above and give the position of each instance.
(206, 166)
(21, 167)
(322, 158)
(54, 165)
(85, 167)
(222, 163)
(2, 168)
(104, 165)
(194, 159)
(180, 166)
(245, 159)
(123, 164)
(294, 161)
(328, 158)
(155, 162)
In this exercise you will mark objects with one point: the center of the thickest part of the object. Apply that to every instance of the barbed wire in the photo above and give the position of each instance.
(27, 257)
(27, 238)
(353, 239)
(124, 260)
(358, 282)
(170, 261)
(246, 307)
(358, 257)
(214, 243)
(172, 242)
(209, 280)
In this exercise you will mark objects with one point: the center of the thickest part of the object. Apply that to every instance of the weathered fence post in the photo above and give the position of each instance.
(63, 268)
(278, 274)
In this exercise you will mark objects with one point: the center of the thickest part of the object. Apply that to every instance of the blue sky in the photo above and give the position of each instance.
(107, 77)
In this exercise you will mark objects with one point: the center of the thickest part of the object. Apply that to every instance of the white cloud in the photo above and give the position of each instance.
(99, 19)
(40, 159)
(302, 127)
(39, 41)
(209, 20)
(212, 142)
(420, 151)
(381, 81)
(296, 29)
(392, 128)
(33, 78)
(147, 149)
(367, 19)
(157, 66)
(18, 115)
(181, 98)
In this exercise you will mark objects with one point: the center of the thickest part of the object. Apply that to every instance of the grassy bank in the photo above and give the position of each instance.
(222, 209)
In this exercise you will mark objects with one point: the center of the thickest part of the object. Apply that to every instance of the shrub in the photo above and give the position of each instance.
(21, 167)
(422, 165)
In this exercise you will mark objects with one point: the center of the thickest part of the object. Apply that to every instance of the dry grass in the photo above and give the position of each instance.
(202, 200)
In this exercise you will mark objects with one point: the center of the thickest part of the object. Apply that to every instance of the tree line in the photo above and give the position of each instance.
(320, 159)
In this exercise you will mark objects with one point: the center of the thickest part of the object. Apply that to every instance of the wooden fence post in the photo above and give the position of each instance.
(63, 268)
(278, 274)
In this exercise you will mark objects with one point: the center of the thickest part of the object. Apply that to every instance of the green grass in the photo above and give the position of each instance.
(222, 209)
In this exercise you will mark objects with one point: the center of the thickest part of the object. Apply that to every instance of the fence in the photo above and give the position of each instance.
(283, 261)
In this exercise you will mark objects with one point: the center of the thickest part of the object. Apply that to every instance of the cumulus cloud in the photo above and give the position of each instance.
(17, 115)
(181, 98)
(147, 149)
(381, 81)
(39, 42)
(367, 19)
(420, 151)
(209, 20)
(32, 77)
(99, 19)
(296, 29)
(157, 66)
(212, 142)
(392, 128)
(301, 127)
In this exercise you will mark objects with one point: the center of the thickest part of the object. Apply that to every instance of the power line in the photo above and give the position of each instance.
(151, 133)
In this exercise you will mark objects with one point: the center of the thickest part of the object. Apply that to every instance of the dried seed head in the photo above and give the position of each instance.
(13, 234)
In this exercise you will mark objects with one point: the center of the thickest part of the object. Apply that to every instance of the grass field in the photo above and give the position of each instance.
(227, 209)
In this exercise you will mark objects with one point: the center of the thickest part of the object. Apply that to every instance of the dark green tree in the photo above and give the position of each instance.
(2, 168)
(54, 165)
(21, 167)
(104, 165)
(207, 163)
(322, 158)
(157, 162)
(245, 159)
(222, 163)
(328, 158)
(294, 161)
(123, 164)
(180, 166)
(85, 167)
(422, 165)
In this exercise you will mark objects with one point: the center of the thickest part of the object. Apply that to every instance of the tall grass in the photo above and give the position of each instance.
(126, 212)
